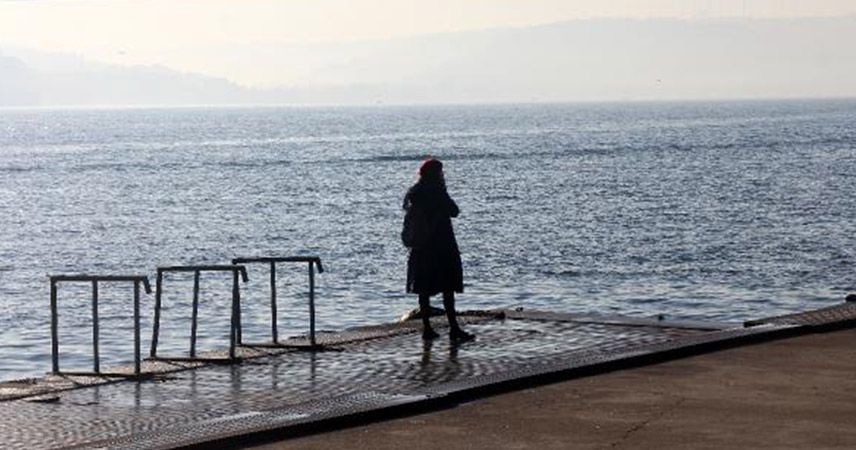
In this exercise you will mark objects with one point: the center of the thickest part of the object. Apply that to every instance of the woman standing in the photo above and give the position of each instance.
(434, 266)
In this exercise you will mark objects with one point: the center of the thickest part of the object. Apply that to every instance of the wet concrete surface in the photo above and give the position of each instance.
(796, 393)
(360, 370)
(398, 363)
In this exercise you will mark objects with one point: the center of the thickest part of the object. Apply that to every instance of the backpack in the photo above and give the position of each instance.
(416, 229)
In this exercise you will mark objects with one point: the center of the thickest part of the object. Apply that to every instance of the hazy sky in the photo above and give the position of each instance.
(209, 36)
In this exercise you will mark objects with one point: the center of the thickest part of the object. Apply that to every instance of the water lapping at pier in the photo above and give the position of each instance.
(720, 211)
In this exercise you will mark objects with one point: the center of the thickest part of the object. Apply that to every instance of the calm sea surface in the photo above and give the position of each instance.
(716, 211)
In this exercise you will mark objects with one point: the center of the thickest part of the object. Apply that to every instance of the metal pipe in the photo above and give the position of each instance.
(205, 268)
(195, 314)
(273, 319)
(80, 277)
(237, 294)
(96, 324)
(136, 327)
(96, 363)
(156, 321)
(233, 329)
(54, 330)
(311, 304)
(276, 259)
(313, 262)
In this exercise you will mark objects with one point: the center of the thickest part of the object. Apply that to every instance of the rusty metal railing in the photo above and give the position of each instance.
(95, 279)
(312, 262)
(235, 327)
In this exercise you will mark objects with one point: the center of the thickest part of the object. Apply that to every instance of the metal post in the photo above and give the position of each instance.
(96, 363)
(273, 319)
(195, 314)
(311, 304)
(156, 322)
(233, 334)
(54, 330)
(237, 295)
(136, 327)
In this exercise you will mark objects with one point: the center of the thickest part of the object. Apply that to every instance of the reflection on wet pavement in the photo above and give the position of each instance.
(398, 364)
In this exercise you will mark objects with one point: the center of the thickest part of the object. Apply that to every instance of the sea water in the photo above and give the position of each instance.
(715, 211)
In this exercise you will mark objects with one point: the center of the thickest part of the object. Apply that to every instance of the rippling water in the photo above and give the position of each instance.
(720, 211)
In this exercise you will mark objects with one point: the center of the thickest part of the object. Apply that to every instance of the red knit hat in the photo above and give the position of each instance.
(431, 168)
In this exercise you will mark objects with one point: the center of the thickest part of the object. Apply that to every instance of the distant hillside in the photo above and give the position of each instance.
(586, 60)
(16, 83)
(73, 81)
(610, 60)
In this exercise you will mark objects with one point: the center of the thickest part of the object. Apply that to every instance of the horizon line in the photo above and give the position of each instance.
(358, 105)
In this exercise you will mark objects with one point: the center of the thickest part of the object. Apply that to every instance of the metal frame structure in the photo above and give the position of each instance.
(235, 328)
(312, 262)
(95, 279)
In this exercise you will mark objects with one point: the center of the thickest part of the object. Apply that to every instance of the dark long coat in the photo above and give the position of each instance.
(436, 266)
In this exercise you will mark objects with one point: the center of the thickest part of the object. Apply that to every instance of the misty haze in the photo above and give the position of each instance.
(581, 60)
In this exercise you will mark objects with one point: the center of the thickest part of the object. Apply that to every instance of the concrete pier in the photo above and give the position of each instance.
(794, 393)
(360, 375)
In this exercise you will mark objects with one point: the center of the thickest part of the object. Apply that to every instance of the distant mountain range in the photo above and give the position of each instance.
(54, 79)
(586, 60)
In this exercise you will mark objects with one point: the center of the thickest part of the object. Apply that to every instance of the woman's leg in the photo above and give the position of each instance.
(449, 305)
(425, 310)
(455, 331)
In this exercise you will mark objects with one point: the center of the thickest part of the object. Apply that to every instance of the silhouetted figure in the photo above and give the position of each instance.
(434, 265)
